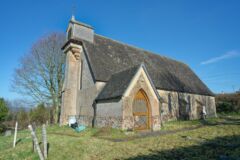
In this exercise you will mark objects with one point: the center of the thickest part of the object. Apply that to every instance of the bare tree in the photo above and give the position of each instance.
(41, 72)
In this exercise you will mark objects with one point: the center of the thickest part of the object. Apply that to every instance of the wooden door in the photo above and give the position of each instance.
(141, 111)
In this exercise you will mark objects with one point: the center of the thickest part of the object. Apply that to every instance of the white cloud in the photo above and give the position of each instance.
(228, 55)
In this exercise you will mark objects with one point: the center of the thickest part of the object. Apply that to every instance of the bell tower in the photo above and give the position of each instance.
(77, 32)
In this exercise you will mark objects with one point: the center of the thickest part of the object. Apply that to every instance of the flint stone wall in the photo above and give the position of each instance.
(177, 105)
(109, 113)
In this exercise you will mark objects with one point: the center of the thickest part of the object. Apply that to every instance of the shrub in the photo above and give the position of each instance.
(22, 118)
(225, 107)
(3, 109)
(2, 128)
(228, 103)
(39, 115)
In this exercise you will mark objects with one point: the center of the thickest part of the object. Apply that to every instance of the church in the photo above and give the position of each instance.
(113, 84)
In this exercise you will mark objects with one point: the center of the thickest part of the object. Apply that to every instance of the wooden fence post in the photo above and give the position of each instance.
(15, 135)
(36, 142)
(44, 137)
(33, 144)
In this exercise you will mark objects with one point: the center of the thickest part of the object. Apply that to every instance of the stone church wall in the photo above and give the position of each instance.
(177, 105)
(87, 94)
(70, 89)
(86, 99)
(169, 98)
(87, 79)
(109, 114)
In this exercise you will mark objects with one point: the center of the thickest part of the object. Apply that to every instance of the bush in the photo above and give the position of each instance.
(39, 115)
(3, 109)
(226, 107)
(228, 103)
(2, 128)
(22, 118)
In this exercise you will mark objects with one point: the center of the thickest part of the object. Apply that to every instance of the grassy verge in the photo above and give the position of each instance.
(219, 138)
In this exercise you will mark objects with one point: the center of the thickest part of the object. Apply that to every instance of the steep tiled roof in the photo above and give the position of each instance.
(117, 84)
(107, 57)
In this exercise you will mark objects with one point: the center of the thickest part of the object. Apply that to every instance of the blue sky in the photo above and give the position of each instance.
(205, 34)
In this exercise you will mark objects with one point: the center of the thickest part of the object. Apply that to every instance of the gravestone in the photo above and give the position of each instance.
(8, 133)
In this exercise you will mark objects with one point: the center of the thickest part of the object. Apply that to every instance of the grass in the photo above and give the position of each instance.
(216, 138)
(178, 125)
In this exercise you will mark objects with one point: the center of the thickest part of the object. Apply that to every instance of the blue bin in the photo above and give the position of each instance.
(80, 128)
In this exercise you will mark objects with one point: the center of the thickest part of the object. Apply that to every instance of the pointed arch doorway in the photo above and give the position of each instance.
(141, 111)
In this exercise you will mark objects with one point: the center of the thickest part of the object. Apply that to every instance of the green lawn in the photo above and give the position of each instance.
(215, 138)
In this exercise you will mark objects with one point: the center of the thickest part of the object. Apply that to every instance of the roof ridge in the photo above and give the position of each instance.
(141, 49)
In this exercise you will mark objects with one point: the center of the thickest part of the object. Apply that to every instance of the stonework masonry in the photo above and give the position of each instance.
(70, 89)
(177, 105)
(87, 94)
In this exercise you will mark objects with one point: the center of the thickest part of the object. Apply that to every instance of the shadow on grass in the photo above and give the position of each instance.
(222, 148)
(231, 119)
(227, 121)
(203, 123)
(18, 141)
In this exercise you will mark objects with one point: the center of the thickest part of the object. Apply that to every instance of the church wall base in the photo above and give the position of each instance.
(111, 122)
(185, 106)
